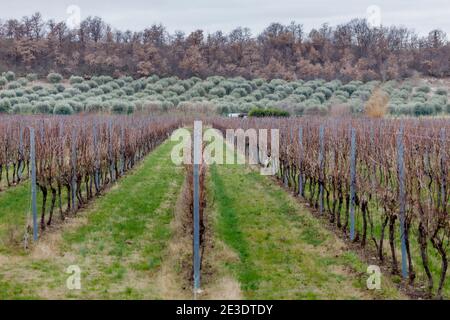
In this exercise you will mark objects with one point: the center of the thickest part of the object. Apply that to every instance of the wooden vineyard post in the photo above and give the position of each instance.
(402, 198)
(196, 197)
(300, 175)
(352, 182)
(33, 183)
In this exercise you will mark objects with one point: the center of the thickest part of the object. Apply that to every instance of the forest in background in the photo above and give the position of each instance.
(350, 51)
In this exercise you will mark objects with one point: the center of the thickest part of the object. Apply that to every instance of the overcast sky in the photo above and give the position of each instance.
(212, 15)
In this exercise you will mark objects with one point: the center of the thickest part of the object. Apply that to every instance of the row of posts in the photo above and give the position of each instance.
(73, 159)
(352, 202)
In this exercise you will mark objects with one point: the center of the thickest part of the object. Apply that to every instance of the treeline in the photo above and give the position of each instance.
(350, 51)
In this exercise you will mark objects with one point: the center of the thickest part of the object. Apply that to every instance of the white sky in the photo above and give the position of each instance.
(211, 15)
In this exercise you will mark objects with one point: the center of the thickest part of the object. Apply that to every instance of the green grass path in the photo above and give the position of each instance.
(283, 251)
(118, 242)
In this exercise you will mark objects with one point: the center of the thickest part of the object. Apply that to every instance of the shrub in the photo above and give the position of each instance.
(315, 110)
(319, 96)
(13, 85)
(424, 89)
(105, 88)
(54, 77)
(26, 108)
(218, 91)
(178, 89)
(43, 107)
(3, 81)
(363, 95)
(32, 77)
(258, 82)
(270, 112)
(272, 97)
(32, 97)
(128, 90)
(62, 108)
(77, 106)
(131, 108)
(448, 108)
(13, 101)
(239, 92)
(441, 91)
(5, 105)
(92, 84)
(94, 106)
(305, 91)
(377, 105)
(10, 76)
(83, 87)
(419, 97)
(349, 88)
(422, 109)
(258, 94)
(59, 87)
(16, 109)
(75, 79)
(327, 92)
(37, 88)
(119, 107)
(22, 81)
(7, 94)
(42, 93)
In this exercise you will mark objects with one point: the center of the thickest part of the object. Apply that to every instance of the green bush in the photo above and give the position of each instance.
(423, 89)
(106, 88)
(119, 107)
(94, 106)
(22, 81)
(319, 96)
(305, 91)
(128, 90)
(37, 88)
(92, 84)
(43, 108)
(326, 91)
(3, 81)
(258, 94)
(54, 77)
(43, 93)
(59, 87)
(10, 76)
(17, 109)
(315, 110)
(5, 105)
(7, 94)
(441, 92)
(83, 87)
(13, 85)
(270, 112)
(75, 79)
(349, 88)
(32, 77)
(62, 108)
(77, 106)
(447, 109)
(422, 109)
(32, 97)
(218, 91)
(178, 89)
